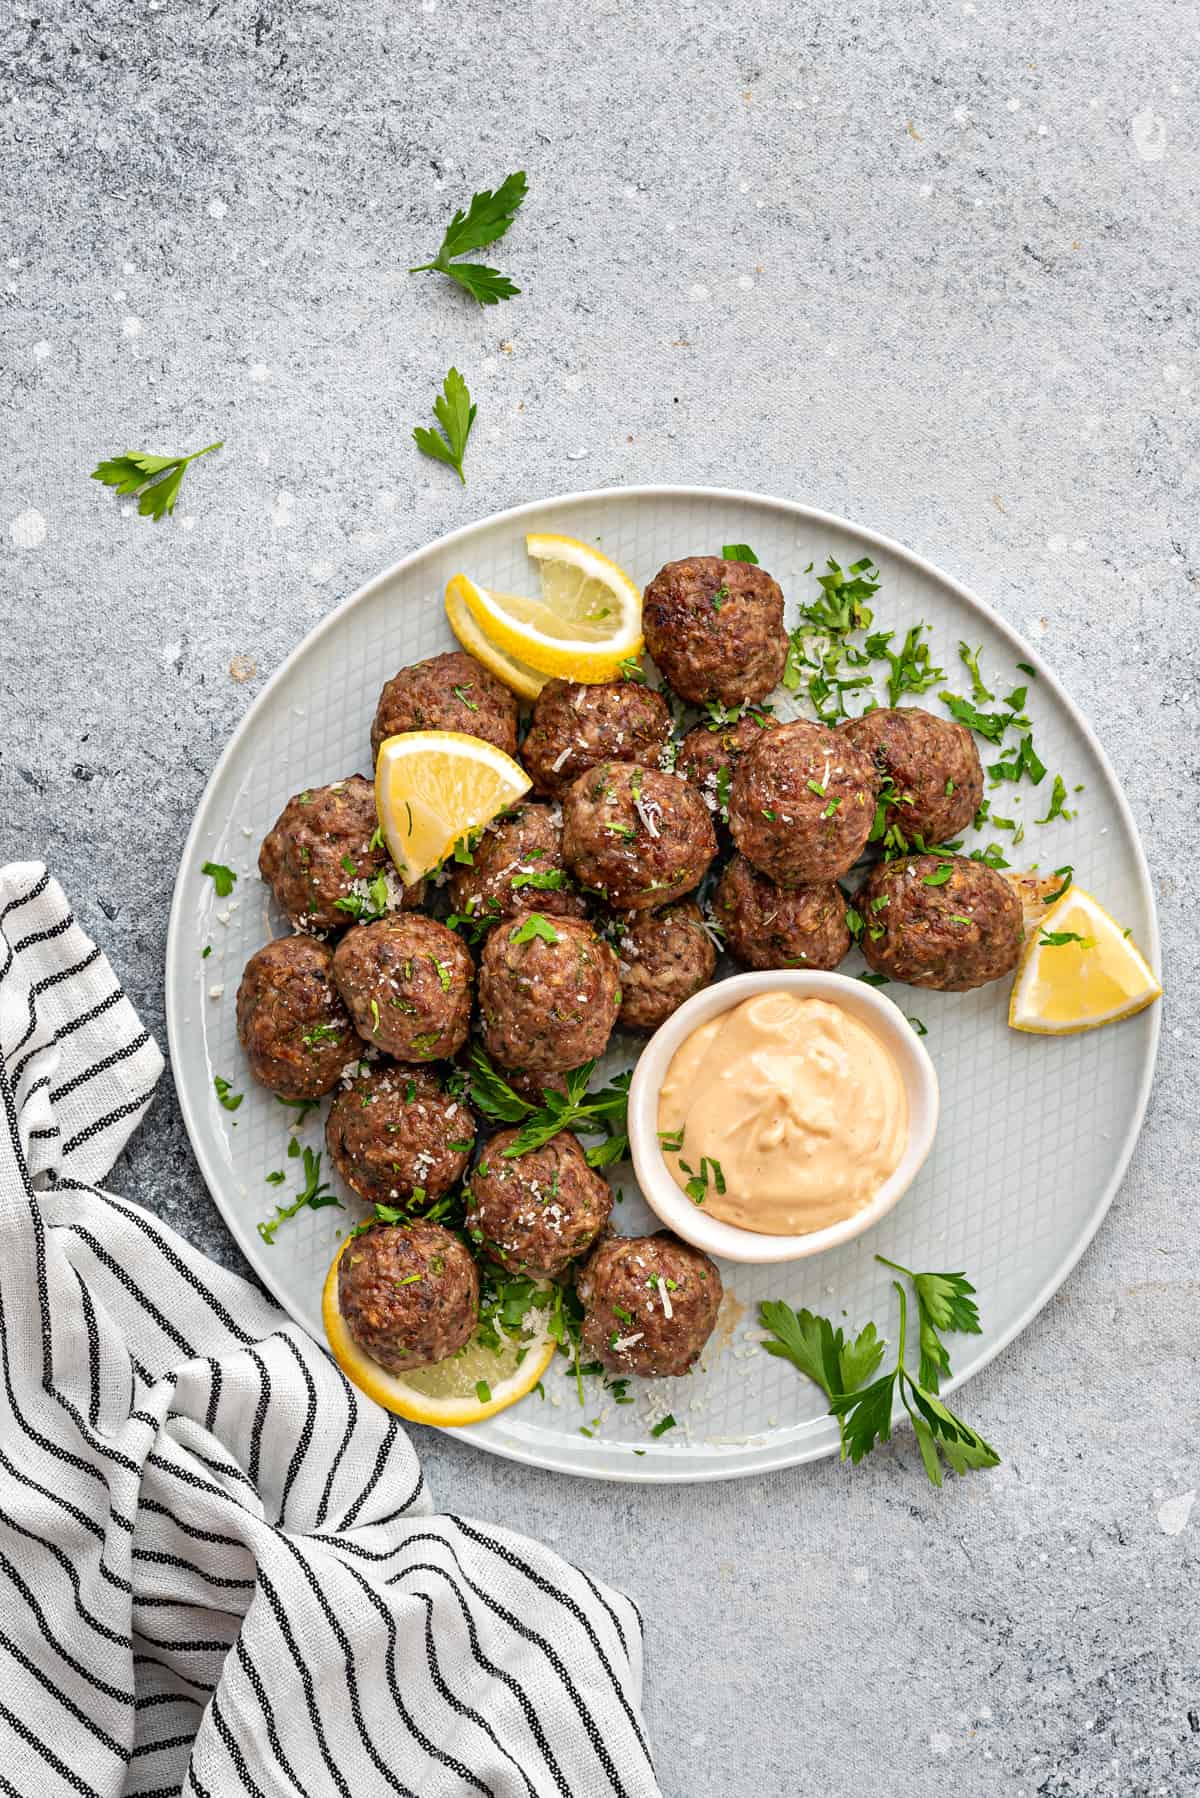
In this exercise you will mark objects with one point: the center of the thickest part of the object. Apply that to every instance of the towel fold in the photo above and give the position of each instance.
(220, 1570)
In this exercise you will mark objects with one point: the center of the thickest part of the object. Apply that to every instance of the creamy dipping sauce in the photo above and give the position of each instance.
(792, 1105)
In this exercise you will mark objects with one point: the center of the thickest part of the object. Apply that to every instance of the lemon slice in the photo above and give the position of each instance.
(587, 621)
(516, 675)
(1091, 974)
(432, 787)
(449, 1393)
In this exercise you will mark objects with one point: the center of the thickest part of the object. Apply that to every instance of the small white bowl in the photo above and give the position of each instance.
(691, 1221)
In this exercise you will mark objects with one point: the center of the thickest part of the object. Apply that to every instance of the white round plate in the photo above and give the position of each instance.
(1035, 1132)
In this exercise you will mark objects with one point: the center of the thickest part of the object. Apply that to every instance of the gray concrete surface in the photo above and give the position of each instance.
(929, 265)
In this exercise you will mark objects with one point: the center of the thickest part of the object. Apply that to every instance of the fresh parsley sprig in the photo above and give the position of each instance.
(841, 1367)
(455, 412)
(485, 221)
(600, 1113)
(158, 478)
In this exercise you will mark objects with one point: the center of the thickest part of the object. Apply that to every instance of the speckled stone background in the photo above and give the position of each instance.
(929, 265)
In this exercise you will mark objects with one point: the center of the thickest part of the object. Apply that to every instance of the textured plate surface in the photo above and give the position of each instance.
(1035, 1133)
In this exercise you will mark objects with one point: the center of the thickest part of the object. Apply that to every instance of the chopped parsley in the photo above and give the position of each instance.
(321, 1033)
(940, 875)
(738, 552)
(460, 693)
(315, 1196)
(301, 1107)
(534, 926)
(1058, 802)
(228, 1098)
(1069, 874)
(663, 1425)
(979, 692)
(223, 878)
(1057, 939)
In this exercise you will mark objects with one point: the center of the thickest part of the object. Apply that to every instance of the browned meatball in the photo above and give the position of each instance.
(534, 1213)
(650, 1303)
(321, 841)
(709, 754)
(664, 957)
(803, 803)
(715, 629)
(407, 983)
(636, 836)
(448, 692)
(395, 1133)
(574, 727)
(942, 921)
(408, 1293)
(933, 765)
(517, 862)
(291, 1023)
(548, 993)
(767, 926)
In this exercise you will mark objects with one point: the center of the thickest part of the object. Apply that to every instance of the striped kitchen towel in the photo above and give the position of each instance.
(220, 1570)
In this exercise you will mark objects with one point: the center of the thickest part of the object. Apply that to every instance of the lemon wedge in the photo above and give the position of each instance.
(432, 787)
(587, 621)
(1079, 970)
(450, 1393)
(516, 675)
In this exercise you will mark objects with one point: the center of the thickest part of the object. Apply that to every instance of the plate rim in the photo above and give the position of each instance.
(766, 1460)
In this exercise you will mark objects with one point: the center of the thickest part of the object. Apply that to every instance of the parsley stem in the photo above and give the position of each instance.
(219, 444)
(906, 1271)
(903, 1322)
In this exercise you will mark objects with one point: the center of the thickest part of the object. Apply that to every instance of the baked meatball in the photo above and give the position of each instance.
(408, 1294)
(767, 926)
(715, 629)
(395, 1132)
(534, 1213)
(940, 920)
(448, 692)
(517, 862)
(406, 982)
(709, 754)
(322, 853)
(293, 1026)
(932, 763)
(649, 1303)
(664, 957)
(575, 726)
(803, 802)
(548, 993)
(636, 836)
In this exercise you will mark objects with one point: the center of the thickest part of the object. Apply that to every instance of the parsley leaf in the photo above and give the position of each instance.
(738, 552)
(158, 477)
(970, 656)
(1058, 802)
(991, 725)
(485, 221)
(534, 926)
(223, 878)
(455, 413)
(229, 1099)
(944, 1302)
(912, 671)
